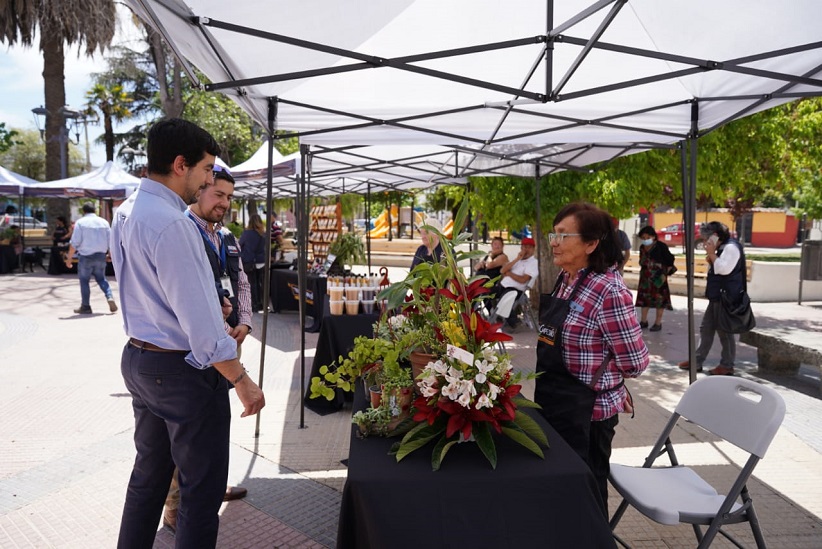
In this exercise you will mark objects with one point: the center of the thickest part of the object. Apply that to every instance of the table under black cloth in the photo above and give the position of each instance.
(8, 259)
(524, 502)
(285, 295)
(336, 338)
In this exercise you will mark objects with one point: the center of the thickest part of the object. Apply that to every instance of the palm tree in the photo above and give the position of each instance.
(113, 102)
(88, 23)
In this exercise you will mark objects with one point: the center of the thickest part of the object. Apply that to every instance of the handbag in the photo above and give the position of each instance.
(735, 315)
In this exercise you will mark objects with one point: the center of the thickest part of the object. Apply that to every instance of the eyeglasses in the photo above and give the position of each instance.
(559, 237)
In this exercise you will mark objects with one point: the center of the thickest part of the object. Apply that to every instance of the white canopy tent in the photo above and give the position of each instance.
(12, 183)
(107, 181)
(565, 82)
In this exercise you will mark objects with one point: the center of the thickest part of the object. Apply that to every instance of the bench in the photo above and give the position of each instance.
(700, 266)
(783, 350)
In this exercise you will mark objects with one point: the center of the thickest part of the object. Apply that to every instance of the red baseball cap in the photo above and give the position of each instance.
(528, 241)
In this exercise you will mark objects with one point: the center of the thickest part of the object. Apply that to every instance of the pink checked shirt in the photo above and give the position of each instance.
(601, 318)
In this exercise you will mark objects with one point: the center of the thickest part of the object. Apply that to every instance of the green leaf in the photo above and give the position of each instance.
(522, 438)
(523, 402)
(421, 438)
(486, 442)
(530, 427)
(440, 449)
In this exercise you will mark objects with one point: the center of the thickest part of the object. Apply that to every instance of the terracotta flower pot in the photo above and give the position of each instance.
(376, 396)
(419, 361)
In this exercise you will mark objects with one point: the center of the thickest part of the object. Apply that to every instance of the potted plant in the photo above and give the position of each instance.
(348, 249)
(373, 421)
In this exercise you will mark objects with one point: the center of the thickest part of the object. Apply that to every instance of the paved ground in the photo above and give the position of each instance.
(66, 449)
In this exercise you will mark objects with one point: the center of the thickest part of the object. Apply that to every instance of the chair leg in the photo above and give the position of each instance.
(618, 514)
(754, 520)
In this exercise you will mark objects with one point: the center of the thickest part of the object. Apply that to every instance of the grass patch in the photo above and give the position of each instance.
(774, 257)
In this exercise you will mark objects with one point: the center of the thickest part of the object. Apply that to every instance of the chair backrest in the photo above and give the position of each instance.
(743, 412)
(505, 304)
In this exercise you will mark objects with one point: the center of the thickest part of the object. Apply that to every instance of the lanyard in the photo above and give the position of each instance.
(221, 253)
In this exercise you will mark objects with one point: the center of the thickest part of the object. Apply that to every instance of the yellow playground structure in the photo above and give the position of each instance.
(399, 216)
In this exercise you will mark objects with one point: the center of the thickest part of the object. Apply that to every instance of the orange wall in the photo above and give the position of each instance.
(770, 229)
(669, 218)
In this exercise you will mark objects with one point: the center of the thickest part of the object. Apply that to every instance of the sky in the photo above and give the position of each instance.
(21, 83)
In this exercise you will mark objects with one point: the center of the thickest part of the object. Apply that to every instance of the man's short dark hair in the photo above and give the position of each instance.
(168, 139)
(88, 208)
(224, 174)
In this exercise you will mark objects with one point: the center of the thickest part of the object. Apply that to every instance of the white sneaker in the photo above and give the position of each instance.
(112, 305)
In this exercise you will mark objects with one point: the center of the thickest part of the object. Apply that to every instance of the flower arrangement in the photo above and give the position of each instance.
(469, 390)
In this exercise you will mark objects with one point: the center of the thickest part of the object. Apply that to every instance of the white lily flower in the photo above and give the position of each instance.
(465, 400)
(484, 402)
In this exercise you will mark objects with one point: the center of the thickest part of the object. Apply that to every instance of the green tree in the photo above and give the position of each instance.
(6, 137)
(27, 157)
(111, 101)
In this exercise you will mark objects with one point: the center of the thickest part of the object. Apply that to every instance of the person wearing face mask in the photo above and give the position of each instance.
(656, 262)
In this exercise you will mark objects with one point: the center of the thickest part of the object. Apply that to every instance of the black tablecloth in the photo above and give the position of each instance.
(8, 259)
(285, 296)
(525, 502)
(336, 338)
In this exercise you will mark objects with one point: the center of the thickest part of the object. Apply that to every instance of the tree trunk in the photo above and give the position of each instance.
(171, 97)
(56, 139)
(109, 136)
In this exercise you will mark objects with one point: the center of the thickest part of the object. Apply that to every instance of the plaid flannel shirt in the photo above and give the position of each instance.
(600, 320)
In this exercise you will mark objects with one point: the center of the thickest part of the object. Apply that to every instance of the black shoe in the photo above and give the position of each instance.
(83, 310)
(643, 324)
(656, 327)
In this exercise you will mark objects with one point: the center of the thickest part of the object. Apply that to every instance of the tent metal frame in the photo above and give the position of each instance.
(687, 144)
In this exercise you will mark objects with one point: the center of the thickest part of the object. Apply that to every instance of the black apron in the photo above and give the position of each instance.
(567, 403)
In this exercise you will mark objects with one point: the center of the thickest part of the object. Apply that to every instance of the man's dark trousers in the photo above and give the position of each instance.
(182, 416)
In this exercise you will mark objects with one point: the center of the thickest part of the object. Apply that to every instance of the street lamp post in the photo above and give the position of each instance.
(66, 113)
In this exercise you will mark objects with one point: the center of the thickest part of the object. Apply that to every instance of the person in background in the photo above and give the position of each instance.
(656, 262)
(60, 239)
(491, 265)
(16, 242)
(252, 252)
(589, 339)
(516, 275)
(624, 245)
(277, 240)
(90, 240)
(179, 359)
(431, 250)
(727, 272)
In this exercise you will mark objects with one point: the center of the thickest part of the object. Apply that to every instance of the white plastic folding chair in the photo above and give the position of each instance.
(742, 412)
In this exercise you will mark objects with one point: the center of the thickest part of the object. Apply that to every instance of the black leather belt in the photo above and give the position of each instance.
(146, 346)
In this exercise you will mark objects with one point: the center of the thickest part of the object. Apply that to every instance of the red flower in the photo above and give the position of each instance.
(425, 412)
(485, 332)
(476, 288)
(462, 419)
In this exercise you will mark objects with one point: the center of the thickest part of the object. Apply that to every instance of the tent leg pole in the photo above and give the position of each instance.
(272, 115)
(538, 232)
(367, 224)
(302, 274)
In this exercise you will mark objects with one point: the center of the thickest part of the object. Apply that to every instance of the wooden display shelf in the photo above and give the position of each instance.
(326, 225)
